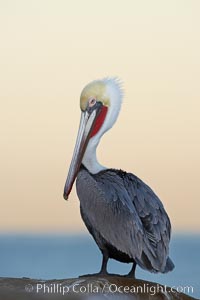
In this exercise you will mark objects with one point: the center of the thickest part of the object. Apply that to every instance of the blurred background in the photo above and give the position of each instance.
(49, 51)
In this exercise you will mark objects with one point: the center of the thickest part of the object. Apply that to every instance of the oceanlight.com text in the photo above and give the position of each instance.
(78, 288)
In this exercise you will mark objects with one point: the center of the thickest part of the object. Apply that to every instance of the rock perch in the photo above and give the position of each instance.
(86, 288)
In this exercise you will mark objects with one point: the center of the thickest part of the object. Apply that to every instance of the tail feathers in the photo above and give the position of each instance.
(147, 265)
(169, 265)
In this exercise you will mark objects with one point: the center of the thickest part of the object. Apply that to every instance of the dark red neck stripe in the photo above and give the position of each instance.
(99, 121)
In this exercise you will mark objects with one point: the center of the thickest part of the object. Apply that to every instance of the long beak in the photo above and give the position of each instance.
(86, 125)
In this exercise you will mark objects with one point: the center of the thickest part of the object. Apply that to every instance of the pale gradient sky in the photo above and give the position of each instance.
(49, 51)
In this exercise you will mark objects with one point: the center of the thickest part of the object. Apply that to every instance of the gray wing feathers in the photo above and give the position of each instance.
(114, 216)
(128, 215)
(156, 224)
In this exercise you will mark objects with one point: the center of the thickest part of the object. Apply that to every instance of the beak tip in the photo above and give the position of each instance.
(65, 196)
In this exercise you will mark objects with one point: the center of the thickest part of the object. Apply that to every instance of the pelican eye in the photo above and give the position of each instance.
(92, 102)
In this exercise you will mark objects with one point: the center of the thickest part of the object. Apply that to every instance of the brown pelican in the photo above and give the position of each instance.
(124, 216)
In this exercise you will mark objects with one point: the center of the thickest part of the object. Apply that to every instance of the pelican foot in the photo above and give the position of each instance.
(94, 275)
(129, 276)
(100, 274)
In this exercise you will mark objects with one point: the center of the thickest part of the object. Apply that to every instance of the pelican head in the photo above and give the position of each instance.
(100, 103)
